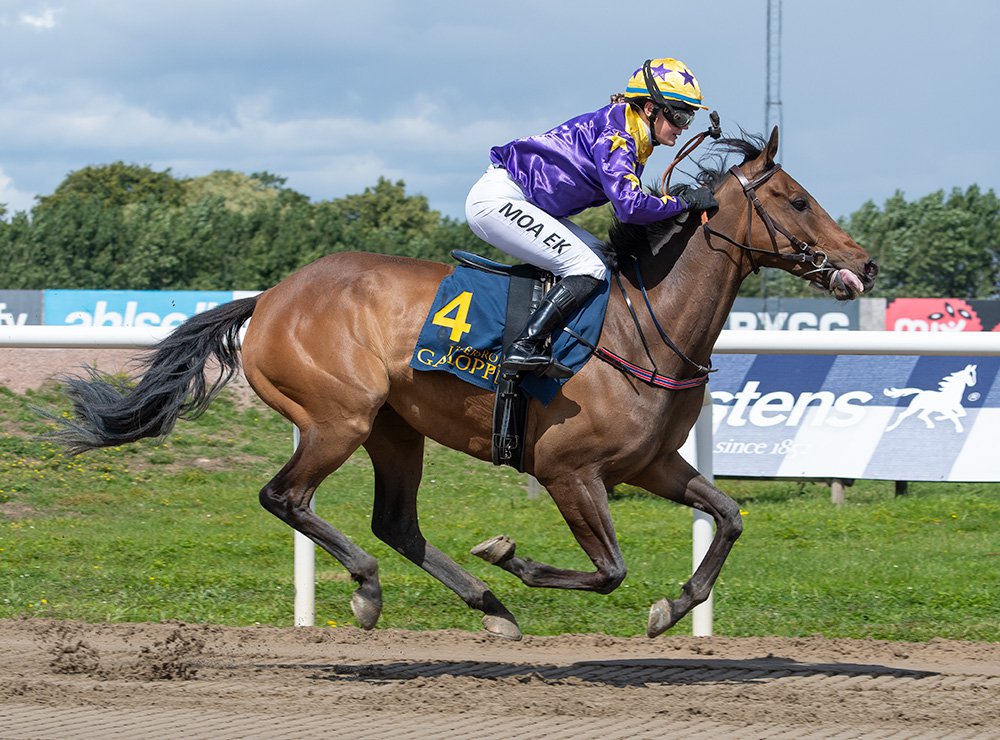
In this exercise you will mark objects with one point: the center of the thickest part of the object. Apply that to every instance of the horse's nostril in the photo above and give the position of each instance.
(871, 269)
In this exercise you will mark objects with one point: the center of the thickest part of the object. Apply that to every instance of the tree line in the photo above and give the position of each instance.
(940, 245)
(125, 226)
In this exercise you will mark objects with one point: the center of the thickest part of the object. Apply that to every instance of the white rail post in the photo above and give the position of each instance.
(305, 568)
(703, 527)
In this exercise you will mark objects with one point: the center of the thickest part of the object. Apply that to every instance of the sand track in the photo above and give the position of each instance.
(69, 679)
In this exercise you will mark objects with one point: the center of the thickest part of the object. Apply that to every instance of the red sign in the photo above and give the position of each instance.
(941, 314)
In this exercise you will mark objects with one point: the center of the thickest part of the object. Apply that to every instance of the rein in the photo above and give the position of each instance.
(652, 377)
(805, 252)
(663, 335)
(714, 130)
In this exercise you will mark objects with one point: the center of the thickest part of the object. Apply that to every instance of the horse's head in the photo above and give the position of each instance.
(777, 223)
(968, 375)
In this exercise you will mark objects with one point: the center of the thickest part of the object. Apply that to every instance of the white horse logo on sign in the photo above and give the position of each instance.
(946, 402)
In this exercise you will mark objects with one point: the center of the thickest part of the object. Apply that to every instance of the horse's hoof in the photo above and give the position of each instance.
(366, 610)
(496, 550)
(660, 618)
(501, 627)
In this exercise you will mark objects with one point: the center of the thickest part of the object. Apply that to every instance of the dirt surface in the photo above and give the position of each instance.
(24, 369)
(69, 679)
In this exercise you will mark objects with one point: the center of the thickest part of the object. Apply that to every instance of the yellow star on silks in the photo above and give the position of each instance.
(618, 142)
(668, 199)
(634, 180)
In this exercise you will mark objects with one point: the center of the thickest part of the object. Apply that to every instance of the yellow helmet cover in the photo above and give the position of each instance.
(673, 79)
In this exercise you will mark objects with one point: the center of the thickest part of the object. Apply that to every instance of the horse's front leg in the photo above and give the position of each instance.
(396, 452)
(583, 501)
(955, 416)
(673, 478)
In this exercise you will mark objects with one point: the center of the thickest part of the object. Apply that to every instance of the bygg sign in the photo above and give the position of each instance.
(792, 314)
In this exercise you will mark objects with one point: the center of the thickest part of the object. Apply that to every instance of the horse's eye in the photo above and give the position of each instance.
(800, 204)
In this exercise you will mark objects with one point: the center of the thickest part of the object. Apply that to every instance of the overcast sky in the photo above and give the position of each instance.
(877, 95)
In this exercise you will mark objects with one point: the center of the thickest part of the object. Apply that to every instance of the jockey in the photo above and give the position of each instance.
(522, 204)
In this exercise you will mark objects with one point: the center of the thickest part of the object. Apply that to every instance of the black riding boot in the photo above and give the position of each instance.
(529, 352)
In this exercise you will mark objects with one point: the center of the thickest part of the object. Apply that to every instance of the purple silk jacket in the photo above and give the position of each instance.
(588, 161)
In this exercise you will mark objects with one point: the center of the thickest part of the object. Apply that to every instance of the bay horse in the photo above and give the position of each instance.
(329, 349)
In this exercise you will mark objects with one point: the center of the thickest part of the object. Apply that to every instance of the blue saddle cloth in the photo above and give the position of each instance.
(463, 333)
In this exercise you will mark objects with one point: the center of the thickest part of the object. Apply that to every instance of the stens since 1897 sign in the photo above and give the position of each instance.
(856, 416)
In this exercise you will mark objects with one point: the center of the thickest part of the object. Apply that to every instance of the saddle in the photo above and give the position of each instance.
(526, 286)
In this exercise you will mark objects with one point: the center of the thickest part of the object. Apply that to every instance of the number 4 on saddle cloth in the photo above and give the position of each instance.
(479, 309)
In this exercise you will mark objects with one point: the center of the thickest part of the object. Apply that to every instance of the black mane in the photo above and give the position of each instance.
(714, 166)
(632, 239)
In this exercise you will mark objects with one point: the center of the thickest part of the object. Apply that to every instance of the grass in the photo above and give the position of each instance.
(172, 530)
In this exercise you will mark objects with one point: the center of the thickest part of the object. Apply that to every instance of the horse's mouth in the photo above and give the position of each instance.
(845, 285)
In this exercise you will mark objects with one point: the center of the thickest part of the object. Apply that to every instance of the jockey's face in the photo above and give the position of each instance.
(664, 130)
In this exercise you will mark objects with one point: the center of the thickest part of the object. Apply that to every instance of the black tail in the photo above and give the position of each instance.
(110, 412)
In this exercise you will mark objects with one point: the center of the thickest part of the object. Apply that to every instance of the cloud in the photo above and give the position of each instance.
(43, 21)
(11, 198)
(332, 95)
(325, 154)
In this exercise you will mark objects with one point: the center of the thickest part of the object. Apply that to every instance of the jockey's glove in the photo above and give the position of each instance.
(700, 199)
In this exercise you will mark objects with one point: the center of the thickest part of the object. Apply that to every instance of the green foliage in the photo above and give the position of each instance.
(947, 246)
(128, 227)
(172, 529)
(770, 282)
(596, 220)
(937, 246)
(117, 184)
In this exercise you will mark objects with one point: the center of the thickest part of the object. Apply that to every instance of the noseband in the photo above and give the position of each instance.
(805, 252)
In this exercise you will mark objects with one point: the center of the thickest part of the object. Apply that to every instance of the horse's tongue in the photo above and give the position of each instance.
(851, 281)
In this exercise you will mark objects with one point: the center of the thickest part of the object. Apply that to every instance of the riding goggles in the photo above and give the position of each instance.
(680, 117)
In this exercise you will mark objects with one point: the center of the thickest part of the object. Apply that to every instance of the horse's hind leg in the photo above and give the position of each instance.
(287, 496)
(925, 417)
(908, 411)
(673, 478)
(583, 502)
(396, 451)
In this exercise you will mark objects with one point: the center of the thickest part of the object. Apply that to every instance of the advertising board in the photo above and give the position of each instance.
(942, 314)
(857, 416)
(20, 307)
(793, 314)
(164, 308)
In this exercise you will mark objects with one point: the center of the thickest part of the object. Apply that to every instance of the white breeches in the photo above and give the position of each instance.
(499, 214)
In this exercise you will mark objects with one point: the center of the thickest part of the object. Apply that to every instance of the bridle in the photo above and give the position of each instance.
(805, 253)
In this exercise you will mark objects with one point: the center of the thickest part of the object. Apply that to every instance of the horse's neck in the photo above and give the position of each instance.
(954, 385)
(693, 300)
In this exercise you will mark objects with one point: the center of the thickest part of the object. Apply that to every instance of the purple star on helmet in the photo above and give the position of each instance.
(688, 77)
(660, 71)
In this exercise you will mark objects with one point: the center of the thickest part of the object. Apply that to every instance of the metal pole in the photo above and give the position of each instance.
(772, 341)
(703, 527)
(697, 450)
(305, 568)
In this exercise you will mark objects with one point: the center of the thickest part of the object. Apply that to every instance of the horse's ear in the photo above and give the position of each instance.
(771, 150)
